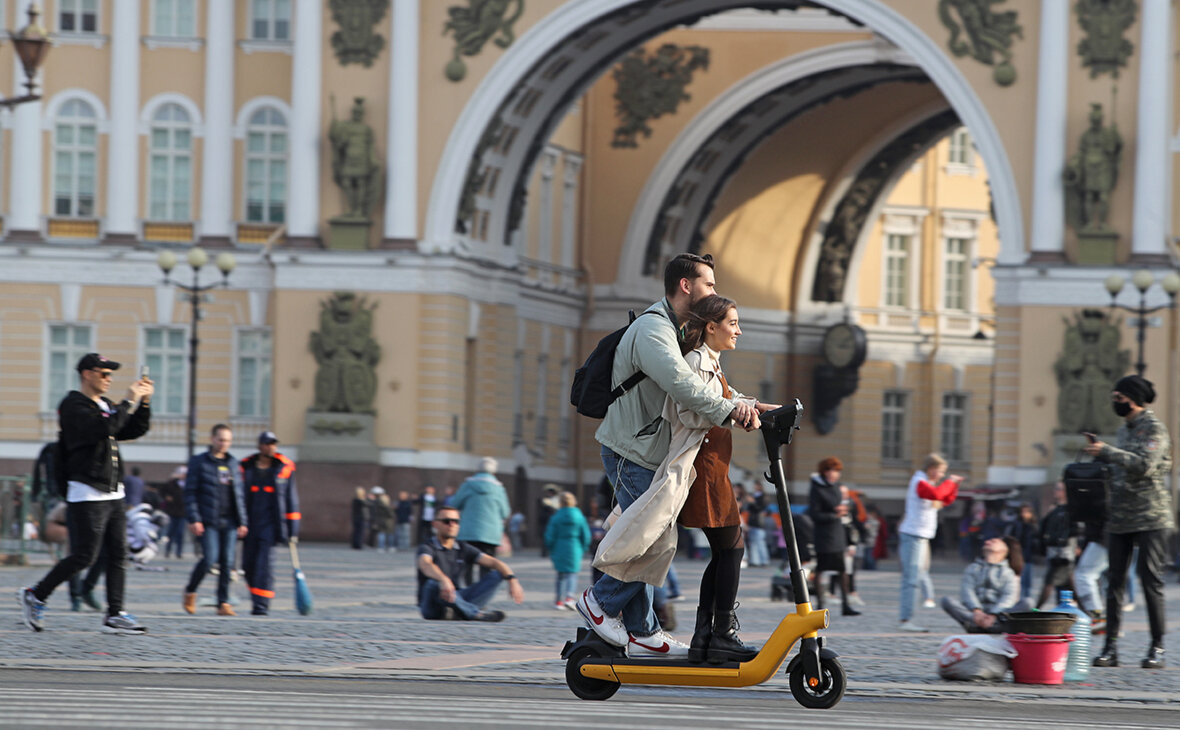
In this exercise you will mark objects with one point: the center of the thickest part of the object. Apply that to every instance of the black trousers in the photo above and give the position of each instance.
(94, 527)
(1153, 554)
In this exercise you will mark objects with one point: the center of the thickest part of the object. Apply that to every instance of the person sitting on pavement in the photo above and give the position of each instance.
(146, 524)
(442, 563)
(989, 587)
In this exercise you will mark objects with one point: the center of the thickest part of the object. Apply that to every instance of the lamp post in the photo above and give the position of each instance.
(1143, 280)
(32, 45)
(195, 294)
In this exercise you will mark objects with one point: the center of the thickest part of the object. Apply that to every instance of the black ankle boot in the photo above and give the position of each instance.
(701, 636)
(725, 646)
(1154, 658)
(1109, 656)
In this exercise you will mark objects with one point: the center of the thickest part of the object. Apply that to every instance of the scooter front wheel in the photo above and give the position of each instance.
(587, 688)
(821, 694)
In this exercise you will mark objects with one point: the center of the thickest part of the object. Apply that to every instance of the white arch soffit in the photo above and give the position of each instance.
(148, 112)
(54, 105)
(254, 105)
(536, 42)
(629, 277)
(847, 176)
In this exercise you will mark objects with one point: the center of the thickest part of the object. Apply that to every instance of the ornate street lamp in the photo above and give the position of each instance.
(1143, 280)
(32, 45)
(195, 295)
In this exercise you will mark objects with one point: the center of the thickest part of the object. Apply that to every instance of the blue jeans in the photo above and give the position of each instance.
(469, 601)
(632, 600)
(218, 545)
(756, 546)
(176, 530)
(401, 536)
(914, 553)
(567, 586)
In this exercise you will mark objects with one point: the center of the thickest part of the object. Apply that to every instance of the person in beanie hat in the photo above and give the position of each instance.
(1140, 513)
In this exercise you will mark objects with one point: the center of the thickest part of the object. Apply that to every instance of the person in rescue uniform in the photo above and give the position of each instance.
(272, 505)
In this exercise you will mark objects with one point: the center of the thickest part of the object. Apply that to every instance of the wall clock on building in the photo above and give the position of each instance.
(845, 346)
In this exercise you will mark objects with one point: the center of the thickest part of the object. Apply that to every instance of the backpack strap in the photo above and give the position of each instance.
(639, 375)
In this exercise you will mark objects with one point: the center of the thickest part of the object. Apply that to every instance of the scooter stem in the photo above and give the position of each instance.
(798, 579)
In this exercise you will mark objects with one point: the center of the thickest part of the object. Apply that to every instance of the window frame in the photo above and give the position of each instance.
(76, 150)
(173, 32)
(963, 260)
(160, 406)
(961, 145)
(238, 355)
(171, 155)
(71, 362)
(79, 16)
(956, 453)
(901, 411)
(268, 159)
(271, 20)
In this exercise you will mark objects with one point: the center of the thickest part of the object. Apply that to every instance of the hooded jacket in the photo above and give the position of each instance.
(567, 536)
(483, 505)
(90, 437)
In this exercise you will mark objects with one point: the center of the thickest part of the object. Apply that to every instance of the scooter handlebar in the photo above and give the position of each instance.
(780, 425)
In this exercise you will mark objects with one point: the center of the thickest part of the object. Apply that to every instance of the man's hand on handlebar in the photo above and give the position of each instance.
(764, 407)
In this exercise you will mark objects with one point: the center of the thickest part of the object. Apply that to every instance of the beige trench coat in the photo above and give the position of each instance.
(641, 541)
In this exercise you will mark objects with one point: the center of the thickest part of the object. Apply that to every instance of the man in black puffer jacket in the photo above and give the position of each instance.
(91, 427)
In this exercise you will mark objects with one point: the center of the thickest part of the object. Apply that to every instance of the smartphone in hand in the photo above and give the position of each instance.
(1092, 438)
(143, 372)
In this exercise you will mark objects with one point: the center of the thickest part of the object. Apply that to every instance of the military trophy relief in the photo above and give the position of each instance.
(982, 33)
(1104, 49)
(473, 26)
(1090, 178)
(340, 423)
(356, 170)
(355, 41)
(650, 86)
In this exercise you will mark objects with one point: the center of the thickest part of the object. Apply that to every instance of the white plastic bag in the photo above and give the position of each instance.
(974, 656)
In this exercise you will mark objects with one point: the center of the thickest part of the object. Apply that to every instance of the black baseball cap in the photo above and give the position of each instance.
(268, 437)
(93, 360)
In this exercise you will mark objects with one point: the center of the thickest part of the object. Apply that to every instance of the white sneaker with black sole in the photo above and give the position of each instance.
(32, 610)
(609, 628)
(661, 643)
(124, 623)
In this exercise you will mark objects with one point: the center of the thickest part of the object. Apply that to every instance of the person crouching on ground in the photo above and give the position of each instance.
(989, 587)
(442, 563)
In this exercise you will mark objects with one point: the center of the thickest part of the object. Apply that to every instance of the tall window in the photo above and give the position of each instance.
(254, 373)
(174, 18)
(67, 344)
(954, 426)
(77, 16)
(165, 351)
(961, 150)
(266, 167)
(171, 165)
(955, 274)
(897, 270)
(893, 411)
(75, 159)
(270, 20)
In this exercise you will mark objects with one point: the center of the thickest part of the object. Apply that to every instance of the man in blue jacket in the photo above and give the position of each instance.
(215, 502)
(272, 506)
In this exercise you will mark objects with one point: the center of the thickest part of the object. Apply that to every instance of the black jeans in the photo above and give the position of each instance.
(94, 527)
(1153, 551)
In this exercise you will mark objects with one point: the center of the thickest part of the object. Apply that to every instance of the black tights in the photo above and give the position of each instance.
(719, 582)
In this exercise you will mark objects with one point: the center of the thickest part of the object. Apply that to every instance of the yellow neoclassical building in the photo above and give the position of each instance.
(928, 179)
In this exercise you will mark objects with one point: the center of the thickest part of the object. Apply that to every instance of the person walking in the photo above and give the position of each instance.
(91, 427)
(172, 496)
(568, 537)
(483, 503)
(1060, 546)
(380, 519)
(928, 492)
(1140, 514)
(272, 511)
(827, 509)
(133, 486)
(1024, 530)
(360, 518)
(215, 500)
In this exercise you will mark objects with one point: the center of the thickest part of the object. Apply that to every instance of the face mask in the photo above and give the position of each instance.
(1122, 408)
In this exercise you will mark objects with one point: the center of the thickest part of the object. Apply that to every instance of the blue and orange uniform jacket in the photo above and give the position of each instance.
(271, 497)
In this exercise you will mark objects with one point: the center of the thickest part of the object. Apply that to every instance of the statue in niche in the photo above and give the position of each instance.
(347, 354)
(474, 25)
(1086, 370)
(355, 166)
(1104, 49)
(1092, 173)
(651, 86)
(356, 42)
(989, 34)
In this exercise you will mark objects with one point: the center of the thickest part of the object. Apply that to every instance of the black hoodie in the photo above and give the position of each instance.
(91, 435)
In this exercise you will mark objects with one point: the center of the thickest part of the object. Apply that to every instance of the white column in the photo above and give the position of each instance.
(217, 173)
(303, 193)
(26, 166)
(401, 147)
(122, 191)
(571, 173)
(1149, 229)
(1048, 207)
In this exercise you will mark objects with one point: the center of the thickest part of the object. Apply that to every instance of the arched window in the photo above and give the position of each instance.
(170, 166)
(75, 159)
(266, 167)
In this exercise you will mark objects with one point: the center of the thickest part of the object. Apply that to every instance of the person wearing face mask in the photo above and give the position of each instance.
(1140, 512)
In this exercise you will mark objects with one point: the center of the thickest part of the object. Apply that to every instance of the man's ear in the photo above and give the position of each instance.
(686, 286)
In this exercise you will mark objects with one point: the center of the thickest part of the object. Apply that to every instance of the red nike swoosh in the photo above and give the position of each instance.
(663, 648)
(596, 619)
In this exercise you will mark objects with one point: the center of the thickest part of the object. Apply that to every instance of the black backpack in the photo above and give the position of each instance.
(591, 392)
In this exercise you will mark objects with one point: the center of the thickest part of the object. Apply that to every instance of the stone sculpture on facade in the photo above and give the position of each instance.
(356, 168)
(1092, 174)
(650, 86)
(1104, 49)
(346, 354)
(1087, 366)
(355, 41)
(989, 34)
(473, 26)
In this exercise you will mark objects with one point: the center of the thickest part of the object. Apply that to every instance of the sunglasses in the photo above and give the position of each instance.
(448, 521)
(104, 374)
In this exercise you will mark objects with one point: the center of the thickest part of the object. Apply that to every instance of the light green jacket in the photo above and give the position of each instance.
(634, 428)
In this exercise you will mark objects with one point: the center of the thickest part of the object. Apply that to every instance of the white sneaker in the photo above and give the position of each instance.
(661, 643)
(856, 600)
(609, 628)
(1128, 607)
(929, 603)
(911, 626)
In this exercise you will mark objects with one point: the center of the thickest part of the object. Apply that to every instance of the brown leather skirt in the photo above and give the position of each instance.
(710, 499)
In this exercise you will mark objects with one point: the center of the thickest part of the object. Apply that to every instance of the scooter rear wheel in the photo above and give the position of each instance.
(828, 691)
(587, 688)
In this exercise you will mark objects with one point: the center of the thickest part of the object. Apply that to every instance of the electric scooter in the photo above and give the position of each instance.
(596, 669)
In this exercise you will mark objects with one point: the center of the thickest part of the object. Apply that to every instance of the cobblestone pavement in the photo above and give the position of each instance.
(365, 624)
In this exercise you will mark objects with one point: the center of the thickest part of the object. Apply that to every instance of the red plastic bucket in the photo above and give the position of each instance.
(1039, 659)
